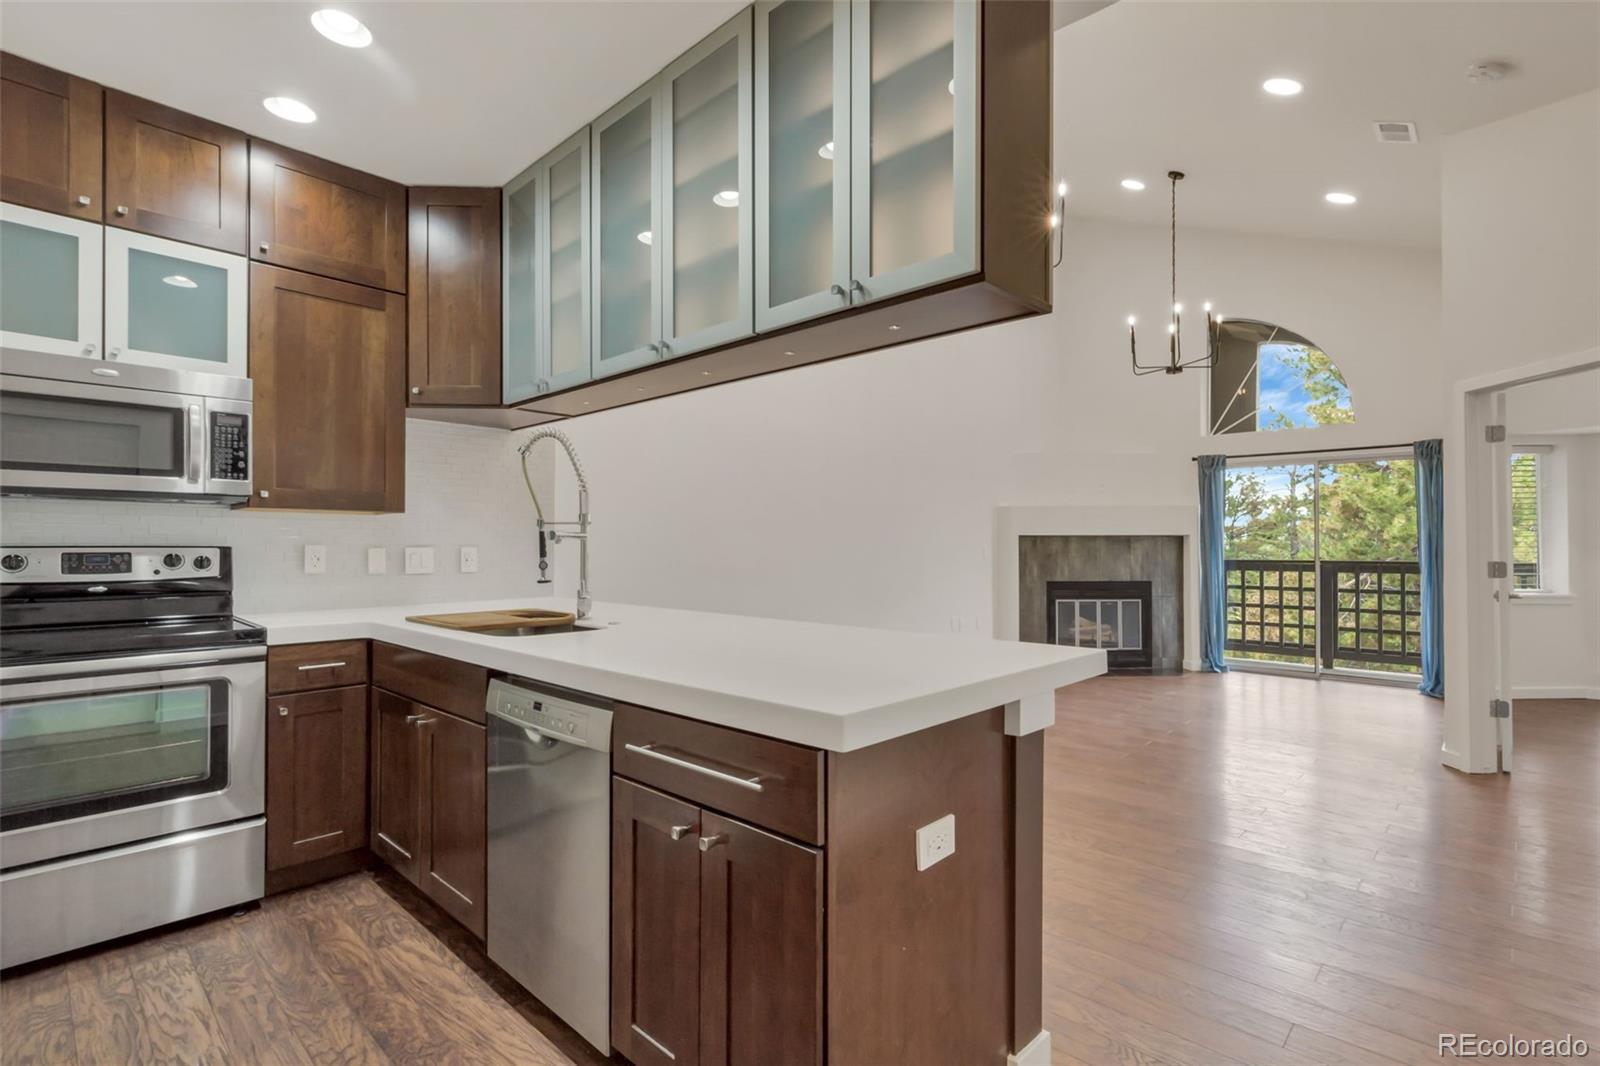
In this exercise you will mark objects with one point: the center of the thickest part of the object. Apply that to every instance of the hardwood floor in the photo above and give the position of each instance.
(1238, 869)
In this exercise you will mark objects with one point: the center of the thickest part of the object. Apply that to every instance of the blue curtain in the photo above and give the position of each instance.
(1213, 587)
(1430, 554)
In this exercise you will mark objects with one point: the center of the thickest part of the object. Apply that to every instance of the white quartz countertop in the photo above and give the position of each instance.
(834, 687)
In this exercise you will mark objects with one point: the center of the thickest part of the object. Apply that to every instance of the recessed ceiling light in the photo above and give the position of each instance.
(1343, 199)
(726, 198)
(1282, 86)
(646, 237)
(290, 109)
(341, 28)
(180, 282)
(1133, 184)
(826, 151)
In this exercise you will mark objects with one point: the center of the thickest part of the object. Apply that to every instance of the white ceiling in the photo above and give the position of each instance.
(1144, 87)
(448, 93)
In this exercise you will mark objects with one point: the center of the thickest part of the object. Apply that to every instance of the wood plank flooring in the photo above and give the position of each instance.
(1238, 869)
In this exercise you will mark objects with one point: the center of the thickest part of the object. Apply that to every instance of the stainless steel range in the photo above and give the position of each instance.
(132, 747)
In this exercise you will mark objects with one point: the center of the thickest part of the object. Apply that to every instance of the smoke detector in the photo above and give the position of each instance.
(1481, 73)
(1396, 132)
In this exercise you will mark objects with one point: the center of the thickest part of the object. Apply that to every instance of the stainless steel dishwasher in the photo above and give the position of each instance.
(549, 921)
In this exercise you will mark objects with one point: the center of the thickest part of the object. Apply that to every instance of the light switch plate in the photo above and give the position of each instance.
(316, 559)
(469, 559)
(377, 560)
(419, 560)
(936, 841)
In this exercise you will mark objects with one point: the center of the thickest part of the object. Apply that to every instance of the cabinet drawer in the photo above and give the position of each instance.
(300, 667)
(448, 684)
(775, 784)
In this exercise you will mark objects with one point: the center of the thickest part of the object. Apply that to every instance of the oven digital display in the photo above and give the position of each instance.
(96, 563)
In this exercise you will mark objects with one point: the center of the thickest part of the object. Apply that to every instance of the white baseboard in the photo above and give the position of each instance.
(1555, 692)
(1036, 1053)
(1192, 665)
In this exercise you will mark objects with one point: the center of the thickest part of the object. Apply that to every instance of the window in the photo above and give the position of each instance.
(1527, 537)
(1268, 378)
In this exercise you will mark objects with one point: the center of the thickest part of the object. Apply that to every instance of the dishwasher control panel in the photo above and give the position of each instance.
(557, 716)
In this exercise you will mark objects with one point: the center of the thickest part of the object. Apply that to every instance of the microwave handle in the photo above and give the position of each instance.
(195, 444)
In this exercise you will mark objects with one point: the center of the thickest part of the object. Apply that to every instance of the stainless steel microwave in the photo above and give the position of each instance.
(80, 427)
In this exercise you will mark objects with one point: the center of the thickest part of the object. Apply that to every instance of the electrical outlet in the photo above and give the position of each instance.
(469, 559)
(419, 560)
(316, 559)
(936, 841)
(377, 560)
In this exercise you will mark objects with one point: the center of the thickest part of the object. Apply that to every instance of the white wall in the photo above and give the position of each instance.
(1520, 244)
(463, 487)
(864, 489)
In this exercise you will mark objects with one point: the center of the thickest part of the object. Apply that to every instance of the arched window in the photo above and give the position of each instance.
(1268, 378)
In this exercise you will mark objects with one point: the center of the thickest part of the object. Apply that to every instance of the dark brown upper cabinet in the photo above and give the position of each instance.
(454, 297)
(309, 214)
(50, 139)
(328, 361)
(171, 174)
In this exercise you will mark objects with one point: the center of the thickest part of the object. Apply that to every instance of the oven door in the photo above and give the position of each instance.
(66, 436)
(124, 750)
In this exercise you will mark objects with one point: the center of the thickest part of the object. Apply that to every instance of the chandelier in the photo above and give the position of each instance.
(1175, 363)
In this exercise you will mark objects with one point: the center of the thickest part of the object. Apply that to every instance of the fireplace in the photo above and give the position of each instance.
(1112, 615)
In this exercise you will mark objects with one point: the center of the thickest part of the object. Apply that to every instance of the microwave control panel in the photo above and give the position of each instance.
(230, 446)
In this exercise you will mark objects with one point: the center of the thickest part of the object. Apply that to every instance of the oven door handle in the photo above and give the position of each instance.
(195, 445)
(73, 670)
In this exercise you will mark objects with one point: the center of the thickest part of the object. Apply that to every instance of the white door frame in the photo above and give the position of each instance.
(1472, 651)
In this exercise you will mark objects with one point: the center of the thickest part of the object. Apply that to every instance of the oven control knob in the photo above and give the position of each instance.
(12, 564)
(202, 562)
(172, 560)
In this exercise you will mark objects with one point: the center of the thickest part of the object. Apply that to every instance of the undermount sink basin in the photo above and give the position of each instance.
(538, 631)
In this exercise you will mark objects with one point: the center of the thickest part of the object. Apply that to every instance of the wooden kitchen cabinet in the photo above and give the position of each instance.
(396, 782)
(50, 139)
(716, 937)
(328, 362)
(312, 215)
(316, 775)
(454, 303)
(175, 175)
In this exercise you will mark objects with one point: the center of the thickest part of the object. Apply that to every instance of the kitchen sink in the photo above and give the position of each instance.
(538, 631)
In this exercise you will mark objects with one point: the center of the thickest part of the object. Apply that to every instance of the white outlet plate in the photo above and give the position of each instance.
(377, 560)
(316, 559)
(936, 841)
(419, 560)
(469, 559)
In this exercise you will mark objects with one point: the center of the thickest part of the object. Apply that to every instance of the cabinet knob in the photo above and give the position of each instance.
(84, 201)
(838, 290)
(678, 832)
(88, 349)
(666, 349)
(416, 390)
(707, 843)
(262, 246)
(283, 712)
(113, 353)
(121, 210)
(265, 494)
(857, 287)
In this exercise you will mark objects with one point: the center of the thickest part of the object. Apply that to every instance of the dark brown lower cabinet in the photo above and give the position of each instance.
(716, 937)
(316, 775)
(428, 815)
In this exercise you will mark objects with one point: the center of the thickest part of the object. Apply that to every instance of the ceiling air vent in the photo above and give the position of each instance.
(1396, 132)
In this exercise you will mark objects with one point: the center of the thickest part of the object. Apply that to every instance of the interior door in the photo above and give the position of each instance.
(1500, 587)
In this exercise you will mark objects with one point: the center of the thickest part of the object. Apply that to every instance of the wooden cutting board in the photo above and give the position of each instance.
(489, 621)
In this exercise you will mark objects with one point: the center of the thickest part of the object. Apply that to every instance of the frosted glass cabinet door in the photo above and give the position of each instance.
(625, 228)
(706, 237)
(519, 378)
(914, 137)
(175, 305)
(802, 157)
(564, 265)
(49, 282)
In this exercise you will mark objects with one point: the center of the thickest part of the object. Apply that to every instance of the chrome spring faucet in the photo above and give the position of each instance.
(584, 603)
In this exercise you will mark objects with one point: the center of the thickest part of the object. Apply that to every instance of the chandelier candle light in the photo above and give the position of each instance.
(1175, 363)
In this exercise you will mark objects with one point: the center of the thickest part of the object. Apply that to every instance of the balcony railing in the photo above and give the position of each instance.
(1342, 613)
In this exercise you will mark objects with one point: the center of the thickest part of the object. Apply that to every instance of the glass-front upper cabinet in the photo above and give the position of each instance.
(175, 305)
(914, 144)
(547, 273)
(625, 226)
(49, 282)
(802, 159)
(707, 246)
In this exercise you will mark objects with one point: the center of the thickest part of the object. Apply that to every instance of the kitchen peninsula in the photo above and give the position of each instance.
(804, 758)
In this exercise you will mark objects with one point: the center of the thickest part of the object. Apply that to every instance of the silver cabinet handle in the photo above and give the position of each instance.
(262, 246)
(84, 201)
(196, 444)
(678, 832)
(283, 712)
(121, 209)
(113, 353)
(105, 372)
(655, 349)
(838, 290)
(707, 843)
(753, 782)
(413, 719)
(416, 390)
(666, 349)
(855, 287)
(320, 666)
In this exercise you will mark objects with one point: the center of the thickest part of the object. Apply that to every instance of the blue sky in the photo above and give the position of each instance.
(1279, 387)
